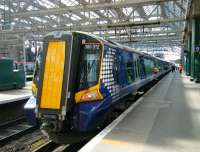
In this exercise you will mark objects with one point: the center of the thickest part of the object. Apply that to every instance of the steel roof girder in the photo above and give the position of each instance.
(78, 8)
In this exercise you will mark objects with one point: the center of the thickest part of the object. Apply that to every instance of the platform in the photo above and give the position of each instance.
(166, 119)
(15, 94)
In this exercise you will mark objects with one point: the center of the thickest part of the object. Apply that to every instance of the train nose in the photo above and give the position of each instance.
(47, 126)
(51, 125)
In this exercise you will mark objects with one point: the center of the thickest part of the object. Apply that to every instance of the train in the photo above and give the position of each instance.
(80, 79)
(10, 76)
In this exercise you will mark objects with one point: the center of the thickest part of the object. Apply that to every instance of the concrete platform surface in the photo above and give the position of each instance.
(167, 119)
(17, 94)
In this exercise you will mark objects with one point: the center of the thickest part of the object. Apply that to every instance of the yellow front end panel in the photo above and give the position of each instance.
(53, 76)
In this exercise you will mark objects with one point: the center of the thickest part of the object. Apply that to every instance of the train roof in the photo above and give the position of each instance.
(115, 44)
(127, 48)
(110, 42)
(121, 46)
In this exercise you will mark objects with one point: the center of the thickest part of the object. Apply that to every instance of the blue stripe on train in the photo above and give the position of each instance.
(88, 116)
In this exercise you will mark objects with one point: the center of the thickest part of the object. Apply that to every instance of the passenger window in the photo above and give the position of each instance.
(130, 69)
(136, 69)
(116, 68)
(142, 68)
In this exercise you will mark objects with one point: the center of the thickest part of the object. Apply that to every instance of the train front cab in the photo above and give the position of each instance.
(69, 76)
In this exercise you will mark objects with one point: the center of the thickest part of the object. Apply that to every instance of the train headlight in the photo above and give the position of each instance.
(90, 96)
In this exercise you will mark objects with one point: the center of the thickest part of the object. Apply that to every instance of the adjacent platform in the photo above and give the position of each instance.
(14, 95)
(166, 119)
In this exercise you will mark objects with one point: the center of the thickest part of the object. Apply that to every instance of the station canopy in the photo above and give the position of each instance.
(154, 26)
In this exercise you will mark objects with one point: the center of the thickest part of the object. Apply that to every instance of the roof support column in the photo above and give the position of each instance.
(195, 53)
(188, 55)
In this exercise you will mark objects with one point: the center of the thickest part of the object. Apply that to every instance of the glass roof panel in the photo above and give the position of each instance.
(69, 2)
(46, 3)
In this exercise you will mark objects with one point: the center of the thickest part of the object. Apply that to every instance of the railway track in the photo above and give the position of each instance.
(12, 110)
(14, 129)
(50, 146)
(13, 124)
(26, 143)
(46, 146)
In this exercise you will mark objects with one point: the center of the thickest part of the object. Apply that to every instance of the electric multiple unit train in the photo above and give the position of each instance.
(80, 77)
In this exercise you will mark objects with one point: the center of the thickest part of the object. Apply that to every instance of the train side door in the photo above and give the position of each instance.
(142, 68)
(136, 66)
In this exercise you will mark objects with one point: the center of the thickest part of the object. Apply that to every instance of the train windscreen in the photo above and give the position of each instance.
(89, 65)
